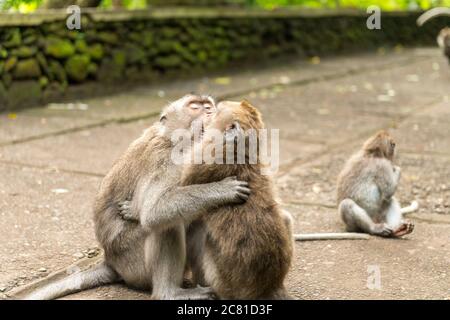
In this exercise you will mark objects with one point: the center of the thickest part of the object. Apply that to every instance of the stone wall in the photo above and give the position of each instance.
(41, 60)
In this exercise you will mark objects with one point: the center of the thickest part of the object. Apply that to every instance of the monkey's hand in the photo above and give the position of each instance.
(397, 170)
(126, 212)
(233, 190)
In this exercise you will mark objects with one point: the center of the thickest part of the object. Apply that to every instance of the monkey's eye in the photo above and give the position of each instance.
(162, 119)
(231, 126)
(195, 105)
(392, 144)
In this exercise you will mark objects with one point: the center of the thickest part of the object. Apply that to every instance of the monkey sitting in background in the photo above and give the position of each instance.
(243, 251)
(149, 252)
(366, 187)
(443, 40)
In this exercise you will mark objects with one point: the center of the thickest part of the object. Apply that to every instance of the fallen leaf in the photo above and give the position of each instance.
(224, 81)
(314, 60)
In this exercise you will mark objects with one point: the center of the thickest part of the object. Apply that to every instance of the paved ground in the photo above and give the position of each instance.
(52, 160)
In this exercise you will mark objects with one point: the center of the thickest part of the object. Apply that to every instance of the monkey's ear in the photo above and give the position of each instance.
(233, 131)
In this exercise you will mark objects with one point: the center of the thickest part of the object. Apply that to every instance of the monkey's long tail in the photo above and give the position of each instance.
(435, 12)
(331, 236)
(99, 275)
(411, 208)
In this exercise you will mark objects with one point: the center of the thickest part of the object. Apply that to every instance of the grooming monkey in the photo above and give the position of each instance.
(443, 38)
(150, 253)
(243, 251)
(366, 187)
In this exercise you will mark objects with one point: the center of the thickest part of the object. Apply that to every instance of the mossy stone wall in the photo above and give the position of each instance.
(40, 61)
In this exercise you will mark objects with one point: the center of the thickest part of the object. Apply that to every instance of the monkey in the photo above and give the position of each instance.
(443, 39)
(244, 251)
(366, 188)
(150, 253)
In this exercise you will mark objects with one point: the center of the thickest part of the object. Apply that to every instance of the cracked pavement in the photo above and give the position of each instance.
(52, 160)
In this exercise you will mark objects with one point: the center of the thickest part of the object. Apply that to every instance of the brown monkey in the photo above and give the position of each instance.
(246, 249)
(150, 253)
(443, 41)
(366, 187)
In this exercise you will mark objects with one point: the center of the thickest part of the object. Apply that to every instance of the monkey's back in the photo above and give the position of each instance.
(119, 185)
(249, 245)
(357, 182)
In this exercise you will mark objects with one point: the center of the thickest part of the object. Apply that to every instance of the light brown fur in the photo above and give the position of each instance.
(248, 247)
(366, 187)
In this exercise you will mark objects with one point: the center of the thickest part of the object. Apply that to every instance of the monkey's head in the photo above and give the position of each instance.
(443, 41)
(233, 118)
(189, 112)
(232, 124)
(380, 145)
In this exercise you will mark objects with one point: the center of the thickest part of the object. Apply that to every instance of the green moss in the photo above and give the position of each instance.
(3, 53)
(56, 71)
(107, 37)
(77, 67)
(27, 69)
(168, 62)
(13, 38)
(10, 63)
(59, 48)
(134, 54)
(43, 82)
(95, 51)
(24, 52)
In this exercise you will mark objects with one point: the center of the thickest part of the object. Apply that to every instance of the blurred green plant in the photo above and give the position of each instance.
(358, 4)
(30, 5)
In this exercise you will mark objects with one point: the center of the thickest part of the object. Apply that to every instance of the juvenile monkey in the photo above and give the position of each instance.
(151, 253)
(443, 41)
(245, 250)
(366, 187)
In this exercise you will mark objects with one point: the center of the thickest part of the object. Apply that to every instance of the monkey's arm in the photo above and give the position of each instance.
(185, 203)
(387, 179)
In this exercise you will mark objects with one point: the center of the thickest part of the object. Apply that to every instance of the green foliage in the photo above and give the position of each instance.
(31, 5)
(360, 4)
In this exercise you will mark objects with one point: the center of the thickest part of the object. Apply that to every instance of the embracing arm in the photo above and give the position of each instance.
(387, 178)
(177, 204)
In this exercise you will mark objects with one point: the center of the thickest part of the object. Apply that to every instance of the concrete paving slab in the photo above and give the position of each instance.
(145, 101)
(321, 127)
(46, 222)
(427, 132)
(19, 126)
(415, 267)
(89, 151)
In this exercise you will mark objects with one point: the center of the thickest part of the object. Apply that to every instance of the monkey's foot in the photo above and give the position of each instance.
(404, 229)
(382, 230)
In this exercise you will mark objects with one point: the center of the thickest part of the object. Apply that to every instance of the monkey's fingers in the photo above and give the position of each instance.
(244, 190)
(242, 183)
(243, 196)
